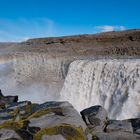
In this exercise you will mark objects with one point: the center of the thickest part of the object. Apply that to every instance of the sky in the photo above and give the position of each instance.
(24, 19)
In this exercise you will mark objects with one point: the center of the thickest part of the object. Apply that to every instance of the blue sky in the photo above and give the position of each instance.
(23, 19)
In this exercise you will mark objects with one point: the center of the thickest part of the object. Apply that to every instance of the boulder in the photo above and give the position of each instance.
(1, 95)
(135, 125)
(6, 100)
(68, 132)
(50, 120)
(10, 99)
(58, 118)
(95, 118)
(61, 113)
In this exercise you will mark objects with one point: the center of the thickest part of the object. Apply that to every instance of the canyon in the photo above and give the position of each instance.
(85, 70)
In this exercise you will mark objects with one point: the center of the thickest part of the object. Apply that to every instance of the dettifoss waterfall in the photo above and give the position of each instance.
(112, 83)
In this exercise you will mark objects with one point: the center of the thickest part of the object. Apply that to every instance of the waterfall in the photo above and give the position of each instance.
(114, 84)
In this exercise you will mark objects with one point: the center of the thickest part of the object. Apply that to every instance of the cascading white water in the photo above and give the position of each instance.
(114, 84)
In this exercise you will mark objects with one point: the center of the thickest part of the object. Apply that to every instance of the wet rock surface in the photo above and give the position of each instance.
(60, 121)
(95, 118)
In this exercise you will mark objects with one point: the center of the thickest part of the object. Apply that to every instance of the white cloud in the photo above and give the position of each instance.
(26, 38)
(108, 28)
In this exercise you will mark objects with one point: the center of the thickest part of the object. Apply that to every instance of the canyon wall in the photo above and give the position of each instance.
(30, 74)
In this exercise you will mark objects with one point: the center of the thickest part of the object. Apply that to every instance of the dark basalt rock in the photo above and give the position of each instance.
(25, 135)
(1, 95)
(33, 130)
(6, 100)
(59, 120)
(136, 125)
(104, 129)
(95, 117)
